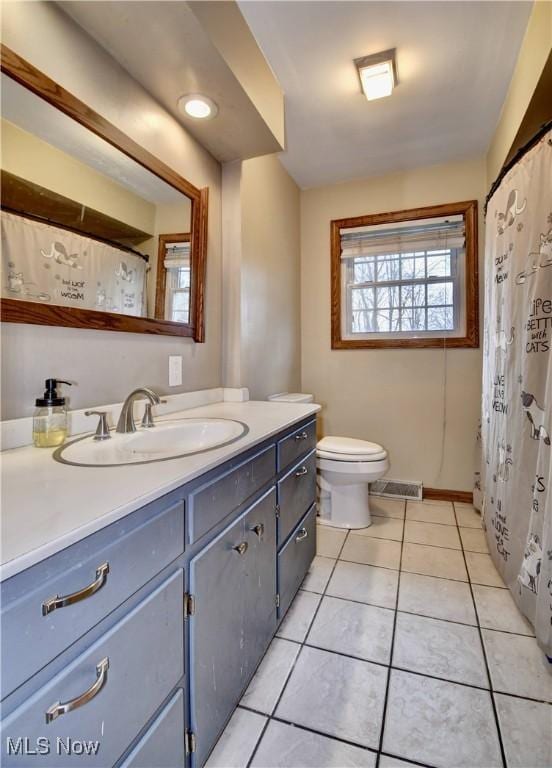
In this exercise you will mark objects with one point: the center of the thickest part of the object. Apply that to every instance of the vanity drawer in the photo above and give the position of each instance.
(212, 502)
(295, 558)
(296, 493)
(142, 658)
(297, 444)
(162, 745)
(101, 572)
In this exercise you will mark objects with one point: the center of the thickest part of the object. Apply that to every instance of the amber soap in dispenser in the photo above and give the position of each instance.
(50, 417)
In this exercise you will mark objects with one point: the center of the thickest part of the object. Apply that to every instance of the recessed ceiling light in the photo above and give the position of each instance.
(197, 106)
(378, 74)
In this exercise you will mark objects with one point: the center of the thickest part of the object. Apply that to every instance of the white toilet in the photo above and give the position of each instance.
(346, 466)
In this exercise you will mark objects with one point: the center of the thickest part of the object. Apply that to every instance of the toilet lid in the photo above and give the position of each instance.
(349, 449)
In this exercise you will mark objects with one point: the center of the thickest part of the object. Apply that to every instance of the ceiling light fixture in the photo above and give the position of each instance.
(377, 74)
(197, 106)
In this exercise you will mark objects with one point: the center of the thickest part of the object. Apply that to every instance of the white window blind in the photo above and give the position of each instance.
(404, 279)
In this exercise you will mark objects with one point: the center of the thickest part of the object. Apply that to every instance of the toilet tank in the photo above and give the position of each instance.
(291, 397)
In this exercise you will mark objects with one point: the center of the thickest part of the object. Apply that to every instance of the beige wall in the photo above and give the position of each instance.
(261, 269)
(394, 397)
(31, 158)
(106, 366)
(533, 55)
(271, 297)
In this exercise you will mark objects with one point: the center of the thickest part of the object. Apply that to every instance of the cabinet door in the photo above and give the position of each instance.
(230, 581)
(260, 575)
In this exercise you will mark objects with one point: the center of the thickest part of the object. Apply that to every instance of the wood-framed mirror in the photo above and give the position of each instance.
(96, 231)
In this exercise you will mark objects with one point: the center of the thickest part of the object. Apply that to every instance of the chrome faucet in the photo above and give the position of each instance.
(126, 419)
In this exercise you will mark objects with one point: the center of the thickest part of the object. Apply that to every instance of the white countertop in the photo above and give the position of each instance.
(46, 506)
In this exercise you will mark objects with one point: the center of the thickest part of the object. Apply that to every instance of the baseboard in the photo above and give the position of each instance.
(442, 494)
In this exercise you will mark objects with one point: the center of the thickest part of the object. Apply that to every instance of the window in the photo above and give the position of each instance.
(406, 279)
(172, 299)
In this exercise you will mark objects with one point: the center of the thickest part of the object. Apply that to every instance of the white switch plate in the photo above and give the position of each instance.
(175, 370)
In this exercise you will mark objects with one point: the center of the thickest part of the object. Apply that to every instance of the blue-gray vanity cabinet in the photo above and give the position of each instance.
(213, 501)
(233, 581)
(296, 444)
(126, 674)
(296, 493)
(162, 746)
(112, 563)
(295, 558)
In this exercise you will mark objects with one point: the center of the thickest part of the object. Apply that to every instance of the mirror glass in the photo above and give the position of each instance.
(83, 225)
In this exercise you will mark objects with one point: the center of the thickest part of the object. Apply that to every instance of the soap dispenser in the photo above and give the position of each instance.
(50, 417)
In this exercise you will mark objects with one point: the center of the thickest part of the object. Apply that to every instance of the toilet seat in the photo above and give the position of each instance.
(349, 449)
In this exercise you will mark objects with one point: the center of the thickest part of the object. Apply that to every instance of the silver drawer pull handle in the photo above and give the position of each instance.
(241, 549)
(303, 533)
(58, 708)
(60, 602)
(301, 472)
(259, 530)
(301, 436)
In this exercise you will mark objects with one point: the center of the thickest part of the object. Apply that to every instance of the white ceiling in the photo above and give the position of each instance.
(164, 47)
(454, 60)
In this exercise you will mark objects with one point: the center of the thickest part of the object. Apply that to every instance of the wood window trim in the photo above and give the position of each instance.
(470, 339)
(161, 277)
(16, 311)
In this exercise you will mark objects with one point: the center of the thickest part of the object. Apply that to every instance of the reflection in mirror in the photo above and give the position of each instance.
(84, 225)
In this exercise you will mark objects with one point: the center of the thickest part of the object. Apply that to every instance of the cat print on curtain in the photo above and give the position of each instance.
(516, 468)
(50, 265)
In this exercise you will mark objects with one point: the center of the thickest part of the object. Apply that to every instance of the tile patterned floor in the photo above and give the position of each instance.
(402, 648)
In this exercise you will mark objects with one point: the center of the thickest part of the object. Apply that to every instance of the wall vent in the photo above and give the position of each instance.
(397, 489)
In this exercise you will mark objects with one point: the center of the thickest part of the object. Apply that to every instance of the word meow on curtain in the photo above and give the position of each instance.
(50, 265)
(517, 384)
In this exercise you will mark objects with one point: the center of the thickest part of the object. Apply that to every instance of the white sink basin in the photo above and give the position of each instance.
(169, 439)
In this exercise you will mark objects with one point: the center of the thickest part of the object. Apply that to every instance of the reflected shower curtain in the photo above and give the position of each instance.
(516, 476)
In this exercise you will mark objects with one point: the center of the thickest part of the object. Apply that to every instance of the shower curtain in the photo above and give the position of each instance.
(516, 429)
(50, 265)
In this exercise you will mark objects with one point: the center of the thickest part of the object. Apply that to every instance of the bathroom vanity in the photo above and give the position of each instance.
(132, 645)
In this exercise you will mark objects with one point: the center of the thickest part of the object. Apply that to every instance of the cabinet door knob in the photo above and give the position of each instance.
(303, 533)
(301, 436)
(259, 530)
(241, 549)
(61, 601)
(58, 708)
(301, 472)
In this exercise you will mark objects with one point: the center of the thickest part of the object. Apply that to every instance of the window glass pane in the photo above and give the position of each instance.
(362, 321)
(413, 295)
(439, 293)
(439, 319)
(438, 265)
(388, 297)
(382, 320)
(180, 300)
(179, 317)
(362, 298)
(407, 268)
(364, 270)
(419, 268)
(183, 277)
(388, 268)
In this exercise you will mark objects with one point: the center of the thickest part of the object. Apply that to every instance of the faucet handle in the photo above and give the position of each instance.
(102, 430)
(147, 418)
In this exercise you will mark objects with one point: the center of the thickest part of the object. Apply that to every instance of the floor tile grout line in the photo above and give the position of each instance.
(485, 659)
(340, 739)
(412, 613)
(288, 676)
(391, 650)
(416, 573)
